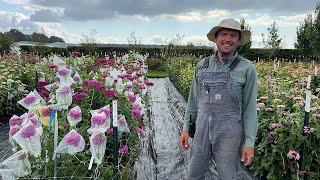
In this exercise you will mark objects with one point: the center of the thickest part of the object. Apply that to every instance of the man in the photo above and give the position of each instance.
(222, 102)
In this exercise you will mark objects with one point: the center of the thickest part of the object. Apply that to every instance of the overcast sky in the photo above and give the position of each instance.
(152, 21)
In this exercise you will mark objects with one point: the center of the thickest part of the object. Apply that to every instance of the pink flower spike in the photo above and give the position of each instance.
(28, 131)
(73, 138)
(124, 149)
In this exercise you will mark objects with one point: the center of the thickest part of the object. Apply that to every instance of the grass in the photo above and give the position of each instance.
(157, 74)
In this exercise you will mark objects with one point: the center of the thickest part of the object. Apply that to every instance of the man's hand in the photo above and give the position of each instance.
(247, 155)
(184, 137)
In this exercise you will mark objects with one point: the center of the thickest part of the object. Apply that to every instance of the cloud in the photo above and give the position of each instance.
(282, 21)
(189, 16)
(197, 40)
(45, 16)
(82, 10)
(9, 20)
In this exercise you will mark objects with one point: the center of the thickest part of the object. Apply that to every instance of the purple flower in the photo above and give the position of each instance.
(52, 66)
(124, 149)
(129, 85)
(142, 86)
(293, 155)
(132, 98)
(91, 83)
(42, 83)
(98, 119)
(22, 156)
(30, 99)
(77, 97)
(139, 130)
(75, 53)
(63, 71)
(34, 119)
(274, 125)
(130, 77)
(122, 121)
(95, 84)
(111, 93)
(106, 110)
(84, 91)
(13, 131)
(28, 131)
(15, 120)
(76, 78)
(57, 79)
(149, 83)
(72, 138)
(308, 130)
(45, 112)
(75, 113)
(98, 139)
(64, 90)
(110, 131)
(136, 113)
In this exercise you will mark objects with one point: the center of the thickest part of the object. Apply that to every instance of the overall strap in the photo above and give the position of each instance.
(234, 64)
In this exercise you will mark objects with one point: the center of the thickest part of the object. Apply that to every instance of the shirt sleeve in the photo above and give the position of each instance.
(250, 107)
(191, 105)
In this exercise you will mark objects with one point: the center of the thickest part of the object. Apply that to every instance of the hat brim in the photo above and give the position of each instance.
(245, 34)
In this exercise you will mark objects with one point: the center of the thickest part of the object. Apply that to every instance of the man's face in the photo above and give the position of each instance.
(227, 41)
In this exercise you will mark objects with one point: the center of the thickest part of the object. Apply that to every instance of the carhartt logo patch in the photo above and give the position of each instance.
(217, 97)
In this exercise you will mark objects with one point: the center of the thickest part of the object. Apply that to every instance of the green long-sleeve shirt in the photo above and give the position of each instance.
(245, 77)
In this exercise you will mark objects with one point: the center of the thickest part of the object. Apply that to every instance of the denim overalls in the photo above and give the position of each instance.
(219, 127)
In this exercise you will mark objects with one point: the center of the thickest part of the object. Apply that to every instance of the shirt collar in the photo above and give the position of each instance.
(226, 61)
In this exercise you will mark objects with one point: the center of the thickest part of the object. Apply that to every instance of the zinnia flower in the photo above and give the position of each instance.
(75, 113)
(73, 138)
(293, 155)
(139, 130)
(136, 113)
(110, 131)
(30, 99)
(106, 110)
(98, 119)
(308, 130)
(13, 131)
(124, 149)
(28, 131)
(98, 139)
(63, 71)
(15, 120)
